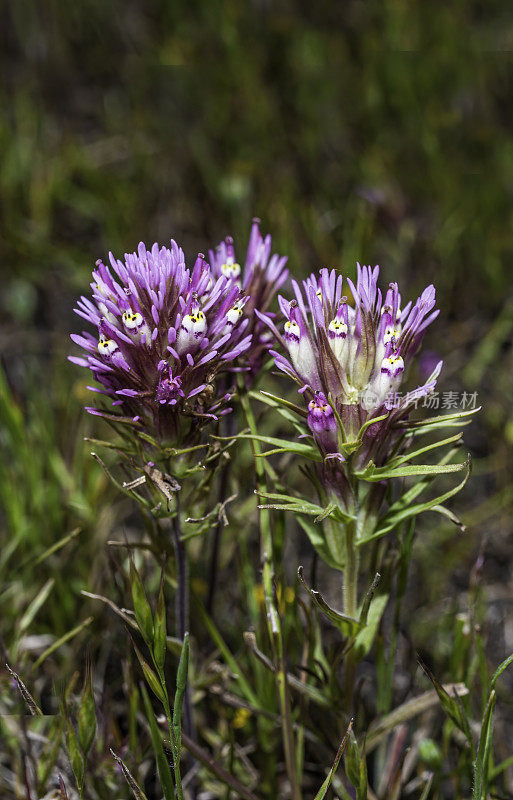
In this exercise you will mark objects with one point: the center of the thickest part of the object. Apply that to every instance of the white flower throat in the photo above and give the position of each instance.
(192, 330)
(230, 269)
(233, 316)
(132, 320)
(106, 347)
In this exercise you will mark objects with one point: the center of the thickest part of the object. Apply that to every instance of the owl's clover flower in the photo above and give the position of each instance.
(349, 360)
(259, 279)
(164, 333)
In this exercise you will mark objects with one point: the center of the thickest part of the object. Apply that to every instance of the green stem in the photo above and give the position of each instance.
(273, 618)
(176, 755)
(351, 564)
(182, 605)
(350, 589)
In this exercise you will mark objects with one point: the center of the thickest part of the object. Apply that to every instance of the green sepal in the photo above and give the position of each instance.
(87, 723)
(142, 608)
(151, 679)
(75, 756)
(356, 767)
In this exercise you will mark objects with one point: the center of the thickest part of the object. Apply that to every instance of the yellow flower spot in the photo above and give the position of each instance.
(240, 718)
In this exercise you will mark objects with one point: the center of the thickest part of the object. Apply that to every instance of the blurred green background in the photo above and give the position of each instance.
(370, 131)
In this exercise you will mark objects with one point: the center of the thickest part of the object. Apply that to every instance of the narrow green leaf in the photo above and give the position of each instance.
(318, 541)
(60, 642)
(403, 509)
(446, 512)
(160, 629)
(347, 625)
(368, 599)
(480, 791)
(136, 789)
(274, 401)
(485, 740)
(370, 422)
(500, 669)
(496, 771)
(57, 546)
(35, 605)
(321, 794)
(395, 462)
(142, 608)
(451, 705)
(299, 506)
(166, 780)
(181, 685)
(433, 421)
(327, 512)
(373, 474)
(284, 446)
(368, 631)
(31, 703)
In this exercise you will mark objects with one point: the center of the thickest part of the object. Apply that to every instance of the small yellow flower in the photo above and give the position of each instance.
(240, 718)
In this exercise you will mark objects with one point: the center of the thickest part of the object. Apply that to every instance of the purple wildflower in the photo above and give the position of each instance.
(323, 424)
(164, 333)
(260, 278)
(351, 360)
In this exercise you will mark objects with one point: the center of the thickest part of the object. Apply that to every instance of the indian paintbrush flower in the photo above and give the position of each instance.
(259, 279)
(349, 360)
(164, 333)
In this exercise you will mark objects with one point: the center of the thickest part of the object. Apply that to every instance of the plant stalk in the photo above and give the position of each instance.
(350, 590)
(273, 618)
(182, 606)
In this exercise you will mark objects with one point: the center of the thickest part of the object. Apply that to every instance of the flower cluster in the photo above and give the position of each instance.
(350, 359)
(260, 278)
(164, 333)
